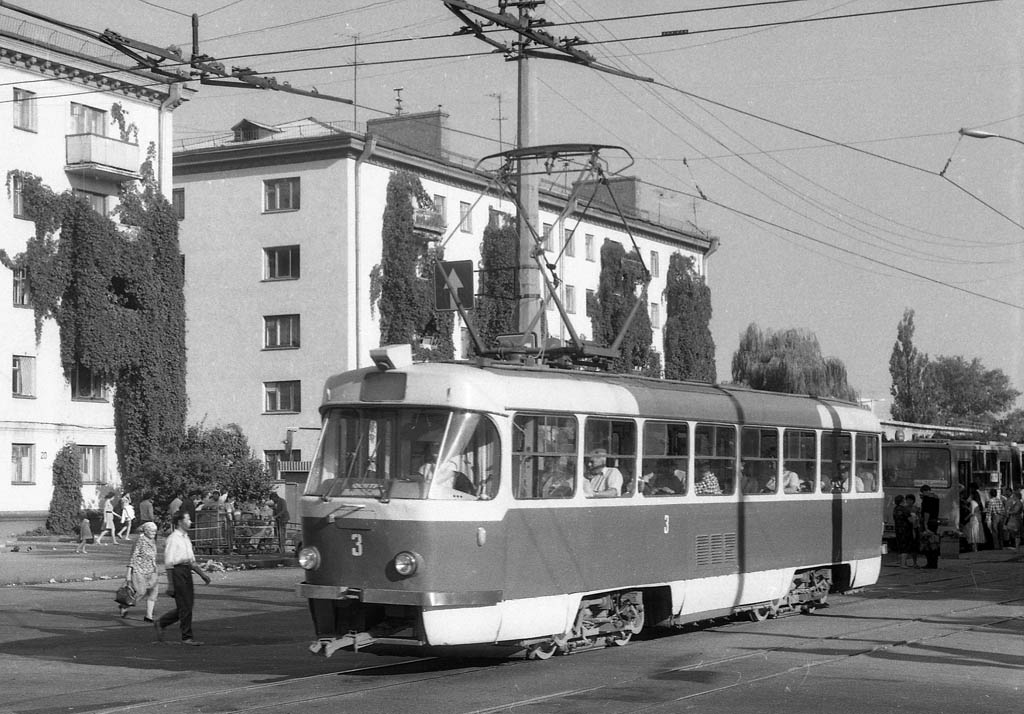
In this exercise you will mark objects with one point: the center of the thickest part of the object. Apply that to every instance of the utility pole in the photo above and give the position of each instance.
(355, 84)
(500, 120)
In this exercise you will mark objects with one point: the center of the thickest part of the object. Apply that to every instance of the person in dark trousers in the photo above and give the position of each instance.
(180, 562)
(929, 509)
(281, 517)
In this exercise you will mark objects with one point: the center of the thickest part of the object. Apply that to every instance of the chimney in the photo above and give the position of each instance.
(625, 189)
(423, 133)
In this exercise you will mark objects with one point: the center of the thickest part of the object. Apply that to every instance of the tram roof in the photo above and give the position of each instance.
(500, 388)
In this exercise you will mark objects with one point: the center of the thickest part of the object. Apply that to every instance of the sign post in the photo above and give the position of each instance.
(453, 285)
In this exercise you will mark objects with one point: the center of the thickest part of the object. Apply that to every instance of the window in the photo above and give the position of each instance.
(281, 195)
(800, 457)
(178, 203)
(617, 438)
(655, 316)
(92, 464)
(836, 452)
(546, 236)
(715, 454)
(19, 283)
(96, 201)
(282, 396)
(86, 120)
(86, 385)
(666, 458)
(441, 205)
(282, 263)
(570, 299)
(280, 332)
(654, 264)
(867, 463)
(759, 459)
(465, 217)
(23, 463)
(543, 456)
(591, 297)
(274, 457)
(17, 196)
(588, 247)
(569, 243)
(24, 110)
(23, 376)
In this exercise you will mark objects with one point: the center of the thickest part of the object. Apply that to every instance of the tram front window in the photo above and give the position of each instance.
(405, 453)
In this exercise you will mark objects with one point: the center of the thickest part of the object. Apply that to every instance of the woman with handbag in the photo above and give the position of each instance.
(142, 574)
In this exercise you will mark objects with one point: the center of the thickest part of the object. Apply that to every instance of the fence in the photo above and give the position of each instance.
(214, 533)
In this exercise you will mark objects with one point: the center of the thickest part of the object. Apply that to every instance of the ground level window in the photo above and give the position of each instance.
(92, 463)
(23, 463)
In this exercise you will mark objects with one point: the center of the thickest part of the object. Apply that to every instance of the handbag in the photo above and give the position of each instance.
(125, 595)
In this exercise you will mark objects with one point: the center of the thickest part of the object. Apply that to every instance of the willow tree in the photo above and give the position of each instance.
(689, 346)
(788, 361)
(403, 281)
(611, 304)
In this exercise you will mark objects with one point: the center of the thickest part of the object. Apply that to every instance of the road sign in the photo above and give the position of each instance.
(459, 274)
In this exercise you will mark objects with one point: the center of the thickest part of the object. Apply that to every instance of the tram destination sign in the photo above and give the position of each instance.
(453, 278)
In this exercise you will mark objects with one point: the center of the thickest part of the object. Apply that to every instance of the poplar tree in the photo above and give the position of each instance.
(689, 346)
(495, 312)
(912, 397)
(610, 306)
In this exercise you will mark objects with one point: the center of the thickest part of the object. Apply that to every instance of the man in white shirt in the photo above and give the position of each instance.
(601, 481)
(180, 562)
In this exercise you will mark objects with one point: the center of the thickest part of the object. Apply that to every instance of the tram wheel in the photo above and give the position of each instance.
(759, 614)
(541, 650)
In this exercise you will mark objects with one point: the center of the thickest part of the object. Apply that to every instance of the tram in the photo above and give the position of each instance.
(455, 504)
(949, 467)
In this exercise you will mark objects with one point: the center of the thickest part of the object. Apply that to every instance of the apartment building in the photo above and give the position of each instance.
(73, 115)
(281, 227)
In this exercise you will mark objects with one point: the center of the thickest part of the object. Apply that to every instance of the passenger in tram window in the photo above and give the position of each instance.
(557, 480)
(707, 484)
(865, 482)
(602, 481)
(790, 480)
(666, 480)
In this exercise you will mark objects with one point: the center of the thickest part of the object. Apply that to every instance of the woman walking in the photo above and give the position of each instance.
(142, 573)
(108, 520)
(127, 515)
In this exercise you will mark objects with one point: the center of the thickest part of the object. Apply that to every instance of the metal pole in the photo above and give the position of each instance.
(530, 302)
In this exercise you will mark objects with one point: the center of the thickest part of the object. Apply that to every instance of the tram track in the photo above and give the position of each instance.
(295, 692)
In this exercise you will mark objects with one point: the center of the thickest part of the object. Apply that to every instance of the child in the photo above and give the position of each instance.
(84, 534)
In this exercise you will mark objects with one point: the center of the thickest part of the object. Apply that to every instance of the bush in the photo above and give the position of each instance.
(66, 502)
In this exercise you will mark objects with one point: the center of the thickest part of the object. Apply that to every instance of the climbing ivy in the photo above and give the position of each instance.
(406, 275)
(116, 293)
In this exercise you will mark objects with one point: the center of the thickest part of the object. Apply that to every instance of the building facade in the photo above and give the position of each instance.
(77, 119)
(281, 229)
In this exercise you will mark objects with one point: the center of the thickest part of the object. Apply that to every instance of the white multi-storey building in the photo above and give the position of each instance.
(73, 116)
(281, 227)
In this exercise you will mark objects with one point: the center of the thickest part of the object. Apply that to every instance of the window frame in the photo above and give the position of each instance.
(551, 443)
(278, 389)
(655, 264)
(18, 198)
(570, 299)
(18, 463)
(20, 296)
(569, 242)
(23, 376)
(89, 121)
(96, 389)
(465, 217)
(272, 190)
(272, 261)
(588, 247)
(92, 458)
(293, 333)
(26, 117)
(716, 456)
(178, 203)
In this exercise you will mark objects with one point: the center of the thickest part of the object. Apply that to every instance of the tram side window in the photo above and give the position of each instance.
(800, 455)
(468, 463)
(868, 448)
(714, 450)
(836, 450)
(544, 456)
(759, 454)
(666, 458)
(610, 446)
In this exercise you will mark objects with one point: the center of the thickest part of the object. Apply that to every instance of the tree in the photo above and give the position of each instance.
(611, 304)
(788, 361)
(913, 399)
(404, 279)
(495, 312)
(204, 459)
(966, 391)
(689, 347)
(66, 500)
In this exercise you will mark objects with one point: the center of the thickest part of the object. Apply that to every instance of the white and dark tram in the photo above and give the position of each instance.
(449, 504)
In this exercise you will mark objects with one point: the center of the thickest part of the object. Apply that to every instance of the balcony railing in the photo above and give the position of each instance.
(101, 157)
(429, 220)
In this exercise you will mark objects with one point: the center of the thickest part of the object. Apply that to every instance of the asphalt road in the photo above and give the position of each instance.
(947, 640)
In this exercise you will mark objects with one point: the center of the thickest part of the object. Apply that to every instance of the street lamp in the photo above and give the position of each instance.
(979, 134)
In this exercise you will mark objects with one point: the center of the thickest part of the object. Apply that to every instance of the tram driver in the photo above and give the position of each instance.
(602, 481)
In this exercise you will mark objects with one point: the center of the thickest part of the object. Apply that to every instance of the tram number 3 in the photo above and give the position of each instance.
(666, 523)
(357, 544)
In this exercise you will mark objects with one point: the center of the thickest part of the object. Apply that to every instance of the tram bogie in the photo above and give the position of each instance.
(430, 518)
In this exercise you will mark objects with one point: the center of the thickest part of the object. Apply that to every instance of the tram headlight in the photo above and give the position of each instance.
(309, 558)
(407, 563)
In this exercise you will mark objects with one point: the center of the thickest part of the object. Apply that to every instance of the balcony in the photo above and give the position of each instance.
(102, 158)
(429, 221)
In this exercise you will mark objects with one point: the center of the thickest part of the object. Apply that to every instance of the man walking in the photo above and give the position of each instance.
(180, 562)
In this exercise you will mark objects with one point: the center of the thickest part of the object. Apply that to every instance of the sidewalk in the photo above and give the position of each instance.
(33, 560)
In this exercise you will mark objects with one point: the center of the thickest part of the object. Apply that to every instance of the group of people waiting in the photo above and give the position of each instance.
(917, 528)
(992, 517)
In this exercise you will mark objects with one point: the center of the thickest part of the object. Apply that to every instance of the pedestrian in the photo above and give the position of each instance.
(904, 531)
(127, 515)
(281, 517)
(930, 506)
(108, 520)
(142, 573)
(180, 562)
(973, 532)
(1014, 518)
(146, 508)
(84, 533)
(174, 505)
(995, 517)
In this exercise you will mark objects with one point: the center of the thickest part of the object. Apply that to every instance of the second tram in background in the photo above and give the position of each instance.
(949, 467)
(553, 510)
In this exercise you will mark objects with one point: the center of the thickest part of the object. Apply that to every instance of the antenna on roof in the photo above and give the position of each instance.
(398, 100)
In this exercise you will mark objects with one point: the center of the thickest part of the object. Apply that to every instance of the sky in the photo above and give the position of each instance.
(823, 134)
